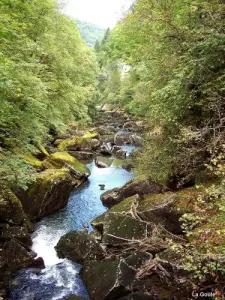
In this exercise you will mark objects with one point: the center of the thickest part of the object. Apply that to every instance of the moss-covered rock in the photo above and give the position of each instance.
(15, 232)
(119, 229)
(33, 161)
(49, 193)
(79, 246)
(141, 187)
(112, 279)
(64, 159)
(89, 141)
(11, 210)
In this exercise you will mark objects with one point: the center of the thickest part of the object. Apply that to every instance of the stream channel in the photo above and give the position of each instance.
(60, 278)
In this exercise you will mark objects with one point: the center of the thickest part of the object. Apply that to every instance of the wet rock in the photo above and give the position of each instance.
(133, 187)
(49, 193)
(115, 149)
(95, 144)
(38, 263)
(105, 150)
(103, 162)
(65, 160)
(79, 246)
(16, 256)
(122, 139)
(121, 154)
(19, 233)
(119, 229)
(116, 276)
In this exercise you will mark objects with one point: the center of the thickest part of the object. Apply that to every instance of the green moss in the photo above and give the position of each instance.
(11, 209)
(42, 148)
(90, 135)
(33, 161)
(64, 159)
(70, 142)
(123, 206)
(52, 175)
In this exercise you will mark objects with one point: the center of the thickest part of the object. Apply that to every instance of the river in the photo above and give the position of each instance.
(60, 278)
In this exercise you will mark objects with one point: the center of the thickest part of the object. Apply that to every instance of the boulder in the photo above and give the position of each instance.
(102, 130)
(137, 186)
(121, 154)
(16, 256)
(119, 229)
(122, 139)
(16, 232)
(105, 150)
(82, 155)
(162, 209)
(11, 210)
(79, 143)
(136, 140)
(115, 149)
(112, 279)
(79, 246)
(48, 193)
(65, 160)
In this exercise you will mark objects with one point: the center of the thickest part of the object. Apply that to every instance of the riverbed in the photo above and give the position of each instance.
(60, 278)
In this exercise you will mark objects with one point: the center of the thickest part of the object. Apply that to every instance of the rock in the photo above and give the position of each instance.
(102, 187)
(134, 153)
(121, 154)
(118, 229)
(102, 130)
(49, 193)
(79, 143)
(103, 162)
(16, 256)
(162, 209)
(129, 125)
(82, 155)
(79, 246)
(115, 149)
(19, 233)
(116, 277)
(38, 263)
(136, 140)
(11, 210)
(133, 187)
(122, 139)
(105, 150)
(65, 160)
(95, 144)
(128, 167)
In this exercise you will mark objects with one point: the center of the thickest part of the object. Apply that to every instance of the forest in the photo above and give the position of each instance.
(68, 88)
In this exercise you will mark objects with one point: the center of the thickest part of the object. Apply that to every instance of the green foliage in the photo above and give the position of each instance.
(90, 33)
(176, 53)
(47, 73)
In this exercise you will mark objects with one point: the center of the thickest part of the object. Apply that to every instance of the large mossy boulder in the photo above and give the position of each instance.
(79, 246)
(65, 160)
(11, 210)
(48, 193)
(80, 143)
(15, 232)
(112, 279)
(137, 186)
(120, 229)
(163, 209)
